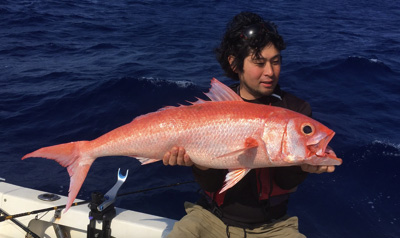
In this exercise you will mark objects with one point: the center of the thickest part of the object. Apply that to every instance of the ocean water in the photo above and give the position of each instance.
(74, 70)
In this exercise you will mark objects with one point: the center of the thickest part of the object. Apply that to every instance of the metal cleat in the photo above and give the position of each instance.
(111, 195)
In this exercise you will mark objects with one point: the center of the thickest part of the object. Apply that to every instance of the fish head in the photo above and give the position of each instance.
(306, 141)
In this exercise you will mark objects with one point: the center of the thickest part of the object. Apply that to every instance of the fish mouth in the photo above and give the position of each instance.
(319, 145)
(320, 152)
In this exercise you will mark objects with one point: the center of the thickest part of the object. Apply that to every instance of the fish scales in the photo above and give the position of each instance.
(205, 131)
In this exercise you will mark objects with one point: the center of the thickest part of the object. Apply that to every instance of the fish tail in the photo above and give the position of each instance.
(74, 157)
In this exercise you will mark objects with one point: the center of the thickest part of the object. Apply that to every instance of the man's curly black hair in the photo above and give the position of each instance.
(234, 44)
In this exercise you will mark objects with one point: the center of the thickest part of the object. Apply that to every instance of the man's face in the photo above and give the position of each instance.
(260, 75)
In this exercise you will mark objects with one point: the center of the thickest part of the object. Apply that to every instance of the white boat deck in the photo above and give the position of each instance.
(15, 199)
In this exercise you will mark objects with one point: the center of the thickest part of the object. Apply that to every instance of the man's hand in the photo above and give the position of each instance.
(317, 169)
(177, 156)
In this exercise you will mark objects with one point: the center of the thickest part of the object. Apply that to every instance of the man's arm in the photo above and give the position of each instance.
(212, 179)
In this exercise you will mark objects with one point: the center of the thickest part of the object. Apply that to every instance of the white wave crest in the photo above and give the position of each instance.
(159, 82)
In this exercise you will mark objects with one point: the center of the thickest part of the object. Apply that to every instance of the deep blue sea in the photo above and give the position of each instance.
(74, 70)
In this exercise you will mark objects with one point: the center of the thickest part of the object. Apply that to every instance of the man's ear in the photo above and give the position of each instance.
(231, 58)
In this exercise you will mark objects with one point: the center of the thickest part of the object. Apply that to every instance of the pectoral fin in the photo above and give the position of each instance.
(233, 177)
(249, 143)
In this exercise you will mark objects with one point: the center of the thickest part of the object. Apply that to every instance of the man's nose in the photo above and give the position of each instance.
(268, 70)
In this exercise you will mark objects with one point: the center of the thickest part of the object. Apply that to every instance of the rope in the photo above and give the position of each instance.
(32, 234)
(26, 229)
(8, 217)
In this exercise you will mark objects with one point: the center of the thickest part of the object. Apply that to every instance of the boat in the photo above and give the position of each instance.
(73, 224)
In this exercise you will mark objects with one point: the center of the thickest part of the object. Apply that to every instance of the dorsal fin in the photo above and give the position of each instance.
(220, 92)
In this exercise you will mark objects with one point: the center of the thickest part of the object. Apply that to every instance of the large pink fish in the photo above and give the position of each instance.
(224, 133)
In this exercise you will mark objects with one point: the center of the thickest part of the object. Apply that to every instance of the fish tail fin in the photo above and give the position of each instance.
(73, 156)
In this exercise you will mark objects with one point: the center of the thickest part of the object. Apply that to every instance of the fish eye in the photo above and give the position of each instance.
(307, 129)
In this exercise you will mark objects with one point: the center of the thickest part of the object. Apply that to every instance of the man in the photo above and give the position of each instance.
(256, 206)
